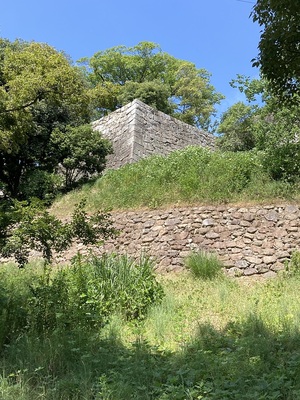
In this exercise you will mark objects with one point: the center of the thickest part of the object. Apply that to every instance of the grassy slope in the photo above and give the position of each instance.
(189, 176)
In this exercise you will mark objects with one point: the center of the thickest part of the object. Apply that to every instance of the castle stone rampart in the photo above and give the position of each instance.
(138, 131)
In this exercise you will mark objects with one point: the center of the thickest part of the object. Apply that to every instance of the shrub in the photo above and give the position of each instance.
(292, 267)
(14, 298)
(41, 184)
(115, 283)
(83, 296)
(203, 265)
(30, 226)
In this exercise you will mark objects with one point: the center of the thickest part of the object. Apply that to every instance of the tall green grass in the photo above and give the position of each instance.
(82, 296)
(204, 265)
(210, 339)
(191, 175)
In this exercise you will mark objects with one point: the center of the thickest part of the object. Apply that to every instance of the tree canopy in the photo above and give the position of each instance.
(79, 152)
(265, 126)
(40, 91)
(176, 87)
(279, 46)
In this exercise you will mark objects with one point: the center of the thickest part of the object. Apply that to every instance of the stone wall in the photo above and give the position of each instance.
(138, 131)
(250, 240)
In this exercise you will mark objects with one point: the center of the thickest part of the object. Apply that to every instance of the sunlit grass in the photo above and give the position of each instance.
(190, 176)
(216, 339)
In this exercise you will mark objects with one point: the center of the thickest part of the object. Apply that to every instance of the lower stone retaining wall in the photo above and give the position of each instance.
(249, 240)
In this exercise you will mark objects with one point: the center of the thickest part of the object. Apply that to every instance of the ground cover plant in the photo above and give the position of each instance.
(189, 176)
(205, 339)
(203, 264)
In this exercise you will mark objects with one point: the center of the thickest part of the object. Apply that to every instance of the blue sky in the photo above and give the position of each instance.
(217, 35)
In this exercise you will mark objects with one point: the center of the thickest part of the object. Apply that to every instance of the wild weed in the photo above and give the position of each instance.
(191, 175)
(203, 265)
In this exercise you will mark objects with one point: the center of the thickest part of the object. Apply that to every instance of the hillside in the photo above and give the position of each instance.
(190, 176)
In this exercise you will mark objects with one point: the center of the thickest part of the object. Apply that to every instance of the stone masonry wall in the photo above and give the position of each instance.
(118, 127)
(138, 131)
(250, 240)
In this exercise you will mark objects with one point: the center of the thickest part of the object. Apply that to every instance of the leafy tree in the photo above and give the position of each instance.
(237, 124)
(29, 226)
(173, 86)
(268, 126)
(279, 49)
(236, 127)
(39, 91)
(277, 134)
(153, 93)
(79, 152)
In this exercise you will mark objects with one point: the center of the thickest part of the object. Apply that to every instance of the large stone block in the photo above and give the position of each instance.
(138, 131)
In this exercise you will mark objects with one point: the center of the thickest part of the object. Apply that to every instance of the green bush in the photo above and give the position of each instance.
(114, 283)
(41, 184)
(14, 301)
(82, 296)
(203, 265)
(292, 267)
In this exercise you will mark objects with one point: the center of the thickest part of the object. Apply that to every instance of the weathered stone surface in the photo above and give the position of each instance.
(283, 254)
(272, 216)
(208, 222)
(269, 259)
(249, 217)
(242, 264)
(253, 260)
(245, 223)
(292, 229)
(212, 235)
(169, 235)
(172, 222)
(250, 271)
(278, 266)
(182, 235)
(262, 269)
(291, 208)
(138, 131)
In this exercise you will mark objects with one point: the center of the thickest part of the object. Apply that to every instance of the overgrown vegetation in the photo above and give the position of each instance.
(29, 226)
(203, 265)
(264, 124)
(107, 328)
(210, 339)
(80, 297)
(184, 177)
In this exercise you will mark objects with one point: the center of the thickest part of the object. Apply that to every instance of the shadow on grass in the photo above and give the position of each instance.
(246, 360)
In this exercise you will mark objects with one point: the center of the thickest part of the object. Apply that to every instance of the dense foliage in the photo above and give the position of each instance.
(266, 125)
(279, 50)
(80, 153)
(29, 226)
(189, 176)
(40, 91)
(176, 87)
(81, 297)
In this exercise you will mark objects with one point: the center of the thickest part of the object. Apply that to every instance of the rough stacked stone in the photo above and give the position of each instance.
(249, 240)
